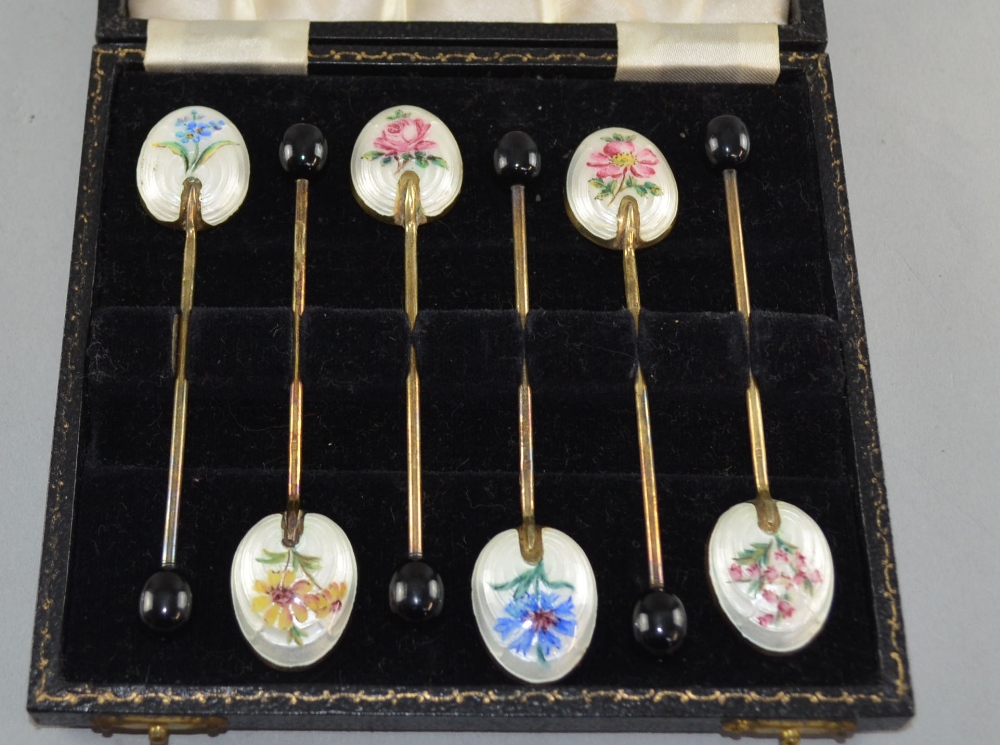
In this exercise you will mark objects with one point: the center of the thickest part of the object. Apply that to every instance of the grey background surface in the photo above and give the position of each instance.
(917, 91)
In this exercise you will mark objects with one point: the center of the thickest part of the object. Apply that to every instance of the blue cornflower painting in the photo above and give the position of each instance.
(536, 618)
(537, 621)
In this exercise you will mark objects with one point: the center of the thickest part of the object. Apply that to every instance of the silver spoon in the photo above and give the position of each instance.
(534, 594)
(618, 165)
(193, 173)
(294, 575)
(406, 168)
(769, 563)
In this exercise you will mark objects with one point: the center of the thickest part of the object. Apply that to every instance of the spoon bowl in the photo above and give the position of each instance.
(776, 590)
(400, 139)
(293, 604)
(536, 620)
(193, 142)
(611, 164)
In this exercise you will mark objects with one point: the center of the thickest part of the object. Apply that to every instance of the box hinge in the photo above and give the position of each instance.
(788, 731)
(159, 729)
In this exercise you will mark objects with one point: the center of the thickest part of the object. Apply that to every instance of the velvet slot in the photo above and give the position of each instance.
(581, 348)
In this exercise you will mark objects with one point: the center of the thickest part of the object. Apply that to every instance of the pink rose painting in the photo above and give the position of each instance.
(620, 167)
(770, 576)
(404, 141)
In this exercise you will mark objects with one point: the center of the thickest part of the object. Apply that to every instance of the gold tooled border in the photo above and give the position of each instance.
(889, 591)
(492, 58)
(103, 696)
(91, 695)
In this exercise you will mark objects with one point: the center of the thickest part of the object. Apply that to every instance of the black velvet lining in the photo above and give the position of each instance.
(582, 352)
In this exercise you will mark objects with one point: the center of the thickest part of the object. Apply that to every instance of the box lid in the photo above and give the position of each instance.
(804, 31)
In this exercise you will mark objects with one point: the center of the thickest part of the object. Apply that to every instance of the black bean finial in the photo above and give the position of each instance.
(165, 602)
(659, 622)
(303, 150)
(416, 592)
(727, 141)
(516, 158)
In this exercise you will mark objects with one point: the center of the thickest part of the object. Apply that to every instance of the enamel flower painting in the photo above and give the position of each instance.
(539, 615)
(775, 572)
(191, 131)
(290, 594)
(404, 141)
(620, 167)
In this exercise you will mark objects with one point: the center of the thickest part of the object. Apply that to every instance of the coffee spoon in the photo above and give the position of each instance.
(534, 594)
(621, 194)
(769, 563)
(193, 173)
(294, 575)
(406, 169)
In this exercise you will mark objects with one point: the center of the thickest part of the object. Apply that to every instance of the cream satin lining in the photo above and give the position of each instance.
(526, 11)
(698, 53)
(696, 41)
(227, 46)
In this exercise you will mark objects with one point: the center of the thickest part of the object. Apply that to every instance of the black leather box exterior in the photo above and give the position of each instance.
(92, 659)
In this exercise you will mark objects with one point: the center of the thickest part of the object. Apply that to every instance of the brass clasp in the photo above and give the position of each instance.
(158, 728)
(788, 731)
